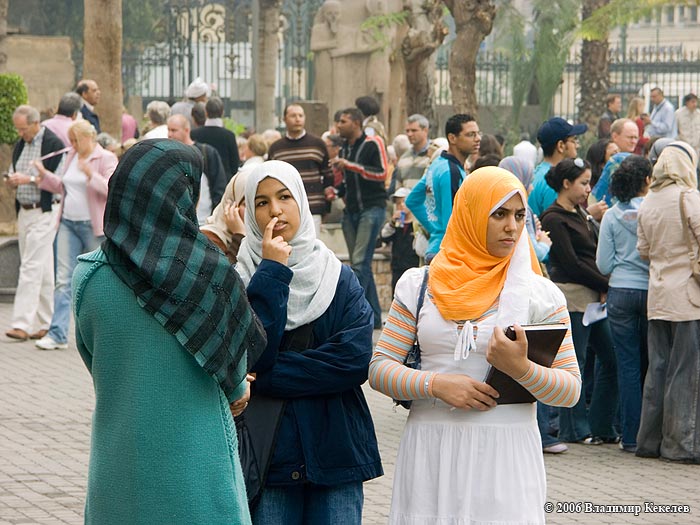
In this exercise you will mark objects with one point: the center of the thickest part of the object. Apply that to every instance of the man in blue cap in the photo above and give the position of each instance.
(559, 141)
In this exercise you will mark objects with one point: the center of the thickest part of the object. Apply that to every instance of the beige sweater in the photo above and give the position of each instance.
(661, 240)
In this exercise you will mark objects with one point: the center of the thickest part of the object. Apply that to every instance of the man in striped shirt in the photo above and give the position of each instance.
(37, 212)
(363, 162)
(309, 155)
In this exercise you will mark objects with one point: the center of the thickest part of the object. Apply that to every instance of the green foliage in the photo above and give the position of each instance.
(13, 93)
(142, 20)
(234, 126)
(513, 44)
(621, 12)
(377, 24)
(555, 24)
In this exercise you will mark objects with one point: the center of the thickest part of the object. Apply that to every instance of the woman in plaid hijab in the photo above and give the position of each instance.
(163, 325)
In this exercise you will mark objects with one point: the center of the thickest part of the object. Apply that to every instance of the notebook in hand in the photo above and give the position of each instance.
(543, 342)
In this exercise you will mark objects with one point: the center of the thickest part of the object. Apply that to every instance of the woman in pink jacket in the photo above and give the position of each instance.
(83, 184)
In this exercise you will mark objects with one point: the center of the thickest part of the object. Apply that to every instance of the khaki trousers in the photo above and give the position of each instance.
(33, 305)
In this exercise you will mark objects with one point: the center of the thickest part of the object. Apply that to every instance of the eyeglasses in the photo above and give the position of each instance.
(572, 139)
(578, 162)
(473, 134)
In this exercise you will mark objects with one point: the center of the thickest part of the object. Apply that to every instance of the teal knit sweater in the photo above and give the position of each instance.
(164, 448)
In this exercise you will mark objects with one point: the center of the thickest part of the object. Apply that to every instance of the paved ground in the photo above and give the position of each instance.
(46, 400)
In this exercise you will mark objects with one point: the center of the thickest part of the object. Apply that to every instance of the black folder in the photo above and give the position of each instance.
(543, 342)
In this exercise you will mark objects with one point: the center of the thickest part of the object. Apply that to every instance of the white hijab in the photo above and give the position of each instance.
(316, 268)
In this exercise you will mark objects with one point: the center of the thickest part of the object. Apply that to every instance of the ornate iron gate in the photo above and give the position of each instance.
(215, 41)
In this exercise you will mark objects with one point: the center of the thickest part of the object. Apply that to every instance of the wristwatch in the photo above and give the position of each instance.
(32, 179)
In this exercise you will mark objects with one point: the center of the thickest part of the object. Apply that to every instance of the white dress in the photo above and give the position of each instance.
(467, 467)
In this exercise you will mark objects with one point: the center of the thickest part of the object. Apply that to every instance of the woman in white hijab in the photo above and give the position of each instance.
(668, 230)
(319, 329)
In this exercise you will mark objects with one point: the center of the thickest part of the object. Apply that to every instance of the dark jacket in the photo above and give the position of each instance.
(572, 255)
(403, 256)
(224, 142)
(214, 171)
(91, 117)
(327, 434)
(49, 143)
(363, 182)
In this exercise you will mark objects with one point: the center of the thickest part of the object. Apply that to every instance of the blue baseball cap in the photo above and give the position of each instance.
(556, 129)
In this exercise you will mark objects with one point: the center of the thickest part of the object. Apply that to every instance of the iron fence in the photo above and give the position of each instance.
(215, 40)
(673, 69)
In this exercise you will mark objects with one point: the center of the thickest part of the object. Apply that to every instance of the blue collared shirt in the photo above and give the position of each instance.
(663, 121)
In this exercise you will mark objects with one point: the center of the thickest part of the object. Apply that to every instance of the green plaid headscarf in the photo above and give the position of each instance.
(154, 245)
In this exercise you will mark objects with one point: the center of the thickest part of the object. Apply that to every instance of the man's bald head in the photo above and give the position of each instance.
(179, 129)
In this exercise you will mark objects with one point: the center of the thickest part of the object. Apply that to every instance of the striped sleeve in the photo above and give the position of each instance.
(375, 166)
(387, 373)
(560, 385)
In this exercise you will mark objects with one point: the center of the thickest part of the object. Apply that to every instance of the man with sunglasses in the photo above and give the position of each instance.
(559, 141)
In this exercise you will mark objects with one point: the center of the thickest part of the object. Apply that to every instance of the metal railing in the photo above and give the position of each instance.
(673, 69)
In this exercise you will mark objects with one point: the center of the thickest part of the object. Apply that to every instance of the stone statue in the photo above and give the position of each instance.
(350, 61)
(380, 49)
(323, 40)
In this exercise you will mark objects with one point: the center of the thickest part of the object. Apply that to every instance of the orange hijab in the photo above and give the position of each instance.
(465, 279)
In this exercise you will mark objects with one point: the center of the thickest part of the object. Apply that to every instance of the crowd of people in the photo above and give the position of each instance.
(239, 327)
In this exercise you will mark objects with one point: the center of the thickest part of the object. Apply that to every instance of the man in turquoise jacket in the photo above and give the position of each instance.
(430, 201)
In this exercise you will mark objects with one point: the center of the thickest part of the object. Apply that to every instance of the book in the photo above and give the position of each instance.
(543, 342)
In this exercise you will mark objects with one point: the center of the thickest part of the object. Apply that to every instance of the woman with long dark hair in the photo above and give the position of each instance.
(573, 270)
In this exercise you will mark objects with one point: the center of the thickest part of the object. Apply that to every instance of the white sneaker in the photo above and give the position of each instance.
(48, 343)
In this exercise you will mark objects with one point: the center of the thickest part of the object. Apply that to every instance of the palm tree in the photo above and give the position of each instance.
(102, 59)
(594, 80)
(266, 64)
(598, 17)
(473, 22)
(425, 34)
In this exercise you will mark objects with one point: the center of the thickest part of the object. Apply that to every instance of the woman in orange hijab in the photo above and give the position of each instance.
(462, 457)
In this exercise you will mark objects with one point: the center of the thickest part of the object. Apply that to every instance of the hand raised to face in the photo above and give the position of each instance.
(275, 248)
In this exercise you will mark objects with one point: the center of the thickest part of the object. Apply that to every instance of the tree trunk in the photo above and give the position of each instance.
(473, 22)
(266, 66)
(102, 60)
(594, 79)
(4, 7)
(426, 33)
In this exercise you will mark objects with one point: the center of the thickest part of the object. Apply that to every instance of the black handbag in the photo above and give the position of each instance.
(412, 359)
(257, 427)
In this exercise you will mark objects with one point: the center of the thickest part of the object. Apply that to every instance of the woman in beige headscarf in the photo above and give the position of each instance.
(225, 226)
(668, 229)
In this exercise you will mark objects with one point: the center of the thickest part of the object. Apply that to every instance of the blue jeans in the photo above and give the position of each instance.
(74, 238)
(627, 314)
(361, 230)
(543, 423)
(577, 422)
(310, 504)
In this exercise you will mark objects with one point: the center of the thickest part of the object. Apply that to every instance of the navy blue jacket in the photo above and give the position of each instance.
(327, 434)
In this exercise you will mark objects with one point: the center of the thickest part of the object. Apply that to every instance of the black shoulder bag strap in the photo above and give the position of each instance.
(258, 426)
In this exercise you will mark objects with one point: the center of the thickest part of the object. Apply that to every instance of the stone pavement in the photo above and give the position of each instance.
(46, 400)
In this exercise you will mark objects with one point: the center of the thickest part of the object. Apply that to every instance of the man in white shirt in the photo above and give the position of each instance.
(688, 121)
